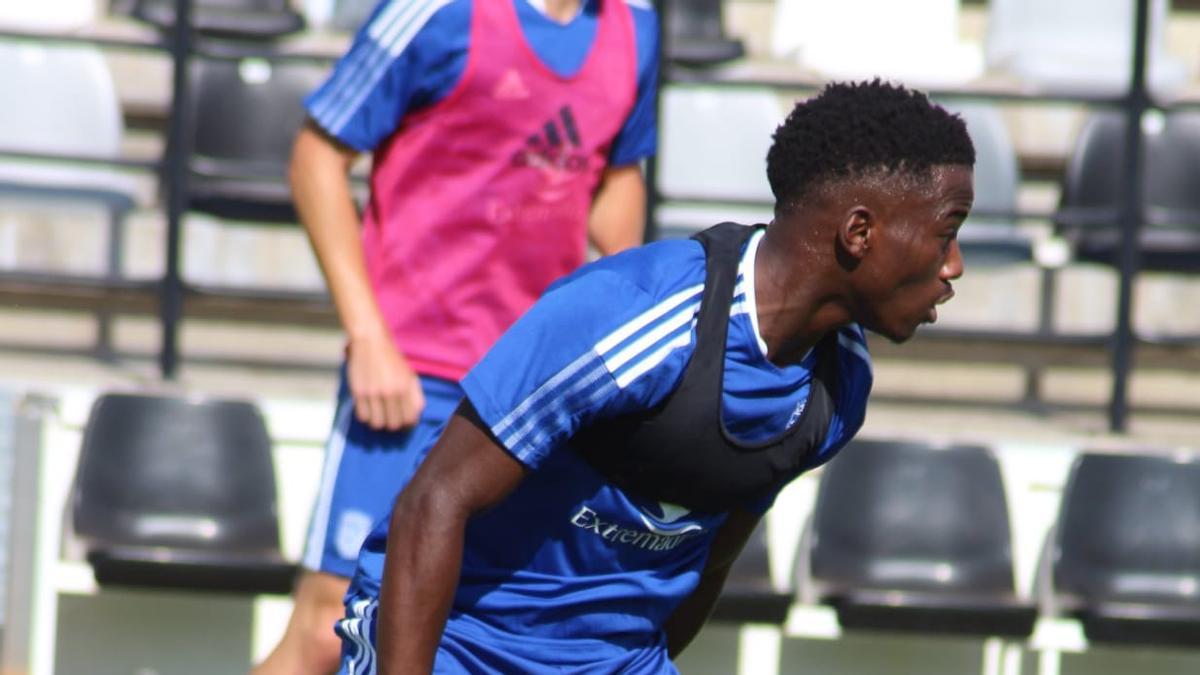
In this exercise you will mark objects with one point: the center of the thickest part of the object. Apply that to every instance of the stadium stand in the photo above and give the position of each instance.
(914, 537)
(178, 493)
(1126, 550)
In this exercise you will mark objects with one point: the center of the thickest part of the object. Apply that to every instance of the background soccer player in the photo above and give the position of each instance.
(505, 134)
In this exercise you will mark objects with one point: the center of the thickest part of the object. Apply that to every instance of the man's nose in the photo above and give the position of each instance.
(953, 267)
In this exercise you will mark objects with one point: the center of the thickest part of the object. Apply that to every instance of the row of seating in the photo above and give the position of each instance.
(912, 537)
(730, 167)
(904, 536)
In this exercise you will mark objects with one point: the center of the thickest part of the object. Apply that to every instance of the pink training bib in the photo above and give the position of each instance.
(479, 202)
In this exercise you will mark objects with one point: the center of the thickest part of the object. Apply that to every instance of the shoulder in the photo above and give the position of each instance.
(422, 21)
(853, 351)
(658, 269)
(645, 26)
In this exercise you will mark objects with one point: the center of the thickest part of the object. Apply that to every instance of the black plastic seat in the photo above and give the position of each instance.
(180, 494)
(1127, 549)
(908, 537)
(695, 34)
(749, 596)
(246, 117)
(1170, 236)
(233, 19)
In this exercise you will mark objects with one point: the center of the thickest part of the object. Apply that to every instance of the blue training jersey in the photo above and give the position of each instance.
(569, 571)
(410, 54)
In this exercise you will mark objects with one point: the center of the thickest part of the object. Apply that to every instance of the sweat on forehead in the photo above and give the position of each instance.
(855, 130)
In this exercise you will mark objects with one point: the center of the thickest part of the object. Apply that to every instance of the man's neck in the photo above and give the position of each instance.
(796, 303)
(562, 11)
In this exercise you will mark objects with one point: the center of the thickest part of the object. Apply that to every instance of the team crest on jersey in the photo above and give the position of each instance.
(667, 519)
(663, 527)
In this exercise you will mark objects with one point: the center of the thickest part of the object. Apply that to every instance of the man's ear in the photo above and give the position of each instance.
(856, 230)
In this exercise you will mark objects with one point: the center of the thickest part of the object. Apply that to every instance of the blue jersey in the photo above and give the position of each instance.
(411, 53)
(569, 569)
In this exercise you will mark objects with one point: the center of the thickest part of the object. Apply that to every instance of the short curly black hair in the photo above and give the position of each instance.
(853, 129)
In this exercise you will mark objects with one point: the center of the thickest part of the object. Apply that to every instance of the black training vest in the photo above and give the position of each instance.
(680, 452)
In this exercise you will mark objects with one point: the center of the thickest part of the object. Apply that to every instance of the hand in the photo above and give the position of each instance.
(387, 393)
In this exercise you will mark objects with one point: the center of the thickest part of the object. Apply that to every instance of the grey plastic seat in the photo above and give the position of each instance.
(914, 538)
(991, 236)
(68, 105)
(235, 19)
(1127, 549)
(749, 596)
(728, 171)
(695, 34)
(1078, 45)
(175, 493)
(246, 117)
(1170, 236)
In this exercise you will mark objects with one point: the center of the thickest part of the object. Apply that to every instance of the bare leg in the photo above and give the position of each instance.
(309, 645)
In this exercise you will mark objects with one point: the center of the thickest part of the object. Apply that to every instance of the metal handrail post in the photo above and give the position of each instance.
(179, 149)
(1131, 208)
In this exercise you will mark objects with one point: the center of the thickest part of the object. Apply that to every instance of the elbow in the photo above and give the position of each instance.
(424, 510)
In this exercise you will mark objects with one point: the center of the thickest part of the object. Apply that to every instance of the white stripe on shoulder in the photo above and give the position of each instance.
(640, 4)
(648, 363)
(851, 342)
(392, 32)
(661, 330)
(645, 318)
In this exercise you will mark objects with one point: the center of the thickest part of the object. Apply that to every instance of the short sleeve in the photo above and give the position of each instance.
(546, 376)
(408, 55)
(638, 137)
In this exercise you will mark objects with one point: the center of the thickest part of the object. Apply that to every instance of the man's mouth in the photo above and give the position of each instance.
(933, 313)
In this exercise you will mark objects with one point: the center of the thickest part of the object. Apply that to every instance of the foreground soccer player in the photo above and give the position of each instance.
(618, 445)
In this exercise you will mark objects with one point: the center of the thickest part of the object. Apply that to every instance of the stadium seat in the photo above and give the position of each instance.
(246, 117)
(47, 15)
(1170, 236)
(815, 33)
(915, 538)
(991, 236)
(695, 34)
(178, 493)
(234, 19)
(728, 171)
(749, 596)
(67, 105)
(1127, 549)
(1077, 45)
(350, 15)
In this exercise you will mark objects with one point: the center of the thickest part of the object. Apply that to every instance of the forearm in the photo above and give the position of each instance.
(424, 557)
(689, 617)
(618, 215)
(319, 177)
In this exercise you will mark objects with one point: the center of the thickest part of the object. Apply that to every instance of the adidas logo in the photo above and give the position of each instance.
(555, 147)
(511, 87)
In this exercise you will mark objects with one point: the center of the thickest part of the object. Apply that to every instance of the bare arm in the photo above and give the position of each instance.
(618, 217)
(464, 473)
(690, 615)
(386, 392)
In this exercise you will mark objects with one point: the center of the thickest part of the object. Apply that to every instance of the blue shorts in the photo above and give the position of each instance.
(364, 471)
